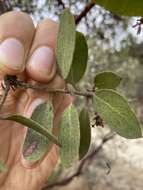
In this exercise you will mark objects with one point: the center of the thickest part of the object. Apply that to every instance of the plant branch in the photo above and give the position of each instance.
(82, 164)
(45, 88)
(11, 82)
(5, 6)
(8, 83)
(87, 8)
(4, 96)
(61, 3)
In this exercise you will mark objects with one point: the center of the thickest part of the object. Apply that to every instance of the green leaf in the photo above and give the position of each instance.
(3, 168)
(43, 114)
(65, 42)
(33, 125)
(80, 58)
(69, 136)
(125, 7)
(107, 80)
(85, 132)
(116, 112)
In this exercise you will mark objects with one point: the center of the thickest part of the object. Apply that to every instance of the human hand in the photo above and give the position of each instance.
(29, 54)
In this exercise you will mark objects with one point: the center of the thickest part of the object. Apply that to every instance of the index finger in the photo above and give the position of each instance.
(16, 34)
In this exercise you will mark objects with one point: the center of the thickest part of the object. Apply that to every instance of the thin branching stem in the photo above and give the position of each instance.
(84, 12)
(61, 3)
(4, 96)
(45, 88)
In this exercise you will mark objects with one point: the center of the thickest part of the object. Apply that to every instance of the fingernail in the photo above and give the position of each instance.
(41, 63)
(12, 54)
(43, 59)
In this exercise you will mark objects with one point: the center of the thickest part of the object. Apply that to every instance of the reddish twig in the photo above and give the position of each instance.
(138, 25)
(87, 8)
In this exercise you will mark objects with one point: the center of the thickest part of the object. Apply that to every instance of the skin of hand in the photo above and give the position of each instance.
(27, 52)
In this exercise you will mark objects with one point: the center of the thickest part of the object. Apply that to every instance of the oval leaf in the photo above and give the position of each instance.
(69, 136)
(116, 112)
(127, 7)
(65, 42)
(43, 114)
(107, 80)
(33, 125)
(85, 132)
(80, 58)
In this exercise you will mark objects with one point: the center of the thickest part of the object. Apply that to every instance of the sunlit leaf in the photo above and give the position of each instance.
(33, 125)
(80, 57)
(116, 112)
(126, 7)
(65, 42)
(107, 80)
(85, 132)
(69, 136)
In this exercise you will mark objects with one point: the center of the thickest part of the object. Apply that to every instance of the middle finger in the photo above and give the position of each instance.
(41, 65)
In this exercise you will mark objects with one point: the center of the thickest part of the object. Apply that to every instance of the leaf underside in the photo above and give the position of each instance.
(69, 136)
(116, 112)
(33, 125)
(65, 42)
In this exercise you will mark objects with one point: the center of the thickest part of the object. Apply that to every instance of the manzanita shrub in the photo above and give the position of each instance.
(72, 57)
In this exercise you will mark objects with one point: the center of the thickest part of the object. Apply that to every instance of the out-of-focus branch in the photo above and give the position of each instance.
(85, 162)
(5, 6)
(83, 13)
(61, 3)
(87, 8)
(138, 25)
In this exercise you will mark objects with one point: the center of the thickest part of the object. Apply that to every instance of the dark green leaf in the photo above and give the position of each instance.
(69, 136)
(3, 168)
(85, 132)
(125, 7)
(116, 112)
(80, 58)
(33, 125)
(107, 80)
(65, 42)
